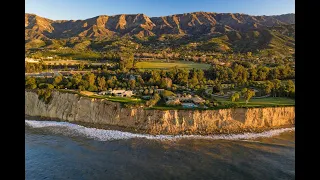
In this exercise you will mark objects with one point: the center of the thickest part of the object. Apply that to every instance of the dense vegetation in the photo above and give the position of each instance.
(235, 64)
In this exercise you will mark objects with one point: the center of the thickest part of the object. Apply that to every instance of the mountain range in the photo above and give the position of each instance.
(140, 25)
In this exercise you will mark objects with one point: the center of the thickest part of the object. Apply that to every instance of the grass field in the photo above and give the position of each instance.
(162, 64)
(269, 101)
(72, 62)
(130, 100)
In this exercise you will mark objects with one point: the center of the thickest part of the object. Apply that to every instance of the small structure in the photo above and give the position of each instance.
(187, 98)
(103, 93)
(146, 97)
(189, 105)
(132, 77)
(159, 91)
(173, 102)
(198, 100)
(31, 60)
(170, 98)
(120, 93)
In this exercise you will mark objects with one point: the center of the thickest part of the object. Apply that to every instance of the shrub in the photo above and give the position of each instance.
(31, 82)
(45, 95)
(153, 101)
(46, 86)
(92, 88)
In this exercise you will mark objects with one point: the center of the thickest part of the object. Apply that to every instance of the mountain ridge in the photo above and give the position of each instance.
(141, 25)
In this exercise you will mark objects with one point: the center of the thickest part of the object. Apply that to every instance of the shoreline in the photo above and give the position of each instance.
(148, 132)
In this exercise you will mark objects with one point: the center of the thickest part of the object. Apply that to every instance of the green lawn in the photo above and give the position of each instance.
(162, 64)
(131, 100)
(269, 101)
(119, 99)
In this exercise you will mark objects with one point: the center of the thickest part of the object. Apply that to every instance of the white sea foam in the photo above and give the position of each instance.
(107, 135)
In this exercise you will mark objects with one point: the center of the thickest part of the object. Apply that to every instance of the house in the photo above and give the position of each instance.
(198, 100)
(159, 91)
(189, 105)
(146, 97)
(132, 77)
(103, 93)
(186, 99)
(30, 60)
(168, 98)
(120, 93)
(173, 102)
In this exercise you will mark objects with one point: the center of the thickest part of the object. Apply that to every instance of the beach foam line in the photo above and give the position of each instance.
(107, 135)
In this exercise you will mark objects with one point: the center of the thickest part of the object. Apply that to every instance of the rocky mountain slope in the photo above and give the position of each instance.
(197, 23)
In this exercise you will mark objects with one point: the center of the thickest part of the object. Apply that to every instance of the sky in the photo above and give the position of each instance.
(84, 9)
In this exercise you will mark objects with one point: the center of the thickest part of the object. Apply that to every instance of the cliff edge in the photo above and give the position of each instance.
(74, 108)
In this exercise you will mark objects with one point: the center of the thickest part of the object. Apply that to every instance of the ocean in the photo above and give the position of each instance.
(61, 150)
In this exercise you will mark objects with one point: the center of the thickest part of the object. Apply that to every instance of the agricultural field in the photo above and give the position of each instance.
(163, 64)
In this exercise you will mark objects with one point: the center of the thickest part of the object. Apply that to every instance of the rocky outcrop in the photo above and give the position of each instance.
(73, 108)
(195, 23)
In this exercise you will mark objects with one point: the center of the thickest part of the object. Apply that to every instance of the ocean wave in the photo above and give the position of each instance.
(107, 135)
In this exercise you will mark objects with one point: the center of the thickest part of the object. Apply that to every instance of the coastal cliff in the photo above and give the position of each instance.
(74, 108)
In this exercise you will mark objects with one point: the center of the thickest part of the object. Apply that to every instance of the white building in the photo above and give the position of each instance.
(159, 91)
(30, 60)
(120, 93)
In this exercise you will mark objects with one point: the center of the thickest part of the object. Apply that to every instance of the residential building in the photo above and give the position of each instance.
(198, 100)
(120, 93)
(159, 91)
(173, 102)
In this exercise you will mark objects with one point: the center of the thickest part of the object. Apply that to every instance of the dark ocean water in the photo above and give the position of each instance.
(65, 151)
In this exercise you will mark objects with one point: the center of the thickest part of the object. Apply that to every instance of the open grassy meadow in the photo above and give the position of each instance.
(163, 64)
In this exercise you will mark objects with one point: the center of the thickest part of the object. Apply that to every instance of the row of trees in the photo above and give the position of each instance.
(40, 67)
(276, 88)
(279, 89)
(240, 74)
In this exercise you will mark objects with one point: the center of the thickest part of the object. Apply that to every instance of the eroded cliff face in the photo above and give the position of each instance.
(73, 108)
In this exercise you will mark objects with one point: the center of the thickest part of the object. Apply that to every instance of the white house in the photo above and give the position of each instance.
(30, 60)
(159, 91)
(120, 93)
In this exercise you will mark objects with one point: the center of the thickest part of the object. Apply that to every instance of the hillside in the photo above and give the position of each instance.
(197, 32)
(37, 27)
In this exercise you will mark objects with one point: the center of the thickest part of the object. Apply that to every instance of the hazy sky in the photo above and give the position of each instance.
(83, 9)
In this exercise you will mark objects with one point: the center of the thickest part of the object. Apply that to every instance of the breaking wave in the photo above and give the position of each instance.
(107, 135)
